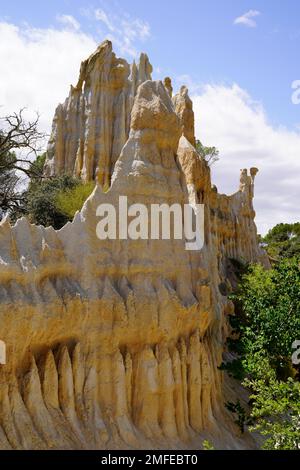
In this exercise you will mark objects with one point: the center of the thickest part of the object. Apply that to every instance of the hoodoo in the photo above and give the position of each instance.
(117, 343)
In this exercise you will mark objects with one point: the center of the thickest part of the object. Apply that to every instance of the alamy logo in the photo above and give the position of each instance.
(296, 354)
(296, 94)
(2, 353)
(137, 222)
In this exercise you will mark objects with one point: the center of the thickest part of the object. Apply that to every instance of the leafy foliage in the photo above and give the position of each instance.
(69, 201)
(276, 410)
(9, 197)
(52, 201)
(283, 241)
(210, 154)
(268, 305)
(266, 323)
(207, 445)
(242, 419)
(40, 201)
(36, 167)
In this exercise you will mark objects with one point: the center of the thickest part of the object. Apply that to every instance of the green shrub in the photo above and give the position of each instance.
(266, 323)
(40, 200)
(283, 241)
(268, 313)
(241, 417)
(276, 410)
(207, 445)
(69, 201)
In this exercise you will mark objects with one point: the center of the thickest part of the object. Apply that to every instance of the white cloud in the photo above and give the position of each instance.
(193, 87)
(247, 18)
(102, 16)
(228, 118)
(69, 21)
(40, 65)
(123, 30)
(135, 29)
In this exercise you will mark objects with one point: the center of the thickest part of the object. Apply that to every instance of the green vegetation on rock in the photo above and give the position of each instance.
(266, 323)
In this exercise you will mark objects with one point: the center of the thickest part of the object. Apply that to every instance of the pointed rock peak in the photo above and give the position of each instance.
(253, 172)
(5, 222)
(64, 359)
(168, 85)
(49, 360)
(184, 109)
(195, 168)
(106, 44)
(102, 53)
(23, 223)
(185, 144)
(103, 50)
(247, 181)
(133, 69)
(32, 364)
(145, 69)
(153, 111)
(184, 91)
(77, 351)
(152, 101)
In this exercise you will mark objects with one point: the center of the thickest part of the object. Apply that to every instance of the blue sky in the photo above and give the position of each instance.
(198, 36)
(239, 59)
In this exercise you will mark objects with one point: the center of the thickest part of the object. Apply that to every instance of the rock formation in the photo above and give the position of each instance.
(184, 109)
(117, 343)
(91, 127)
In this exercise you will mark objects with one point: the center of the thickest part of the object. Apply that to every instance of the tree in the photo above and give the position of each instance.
(266, 323)
(210, 154)
(17, 135)
(40, 201)
(283, 241)
(53, 201)
(276, 411)
(69, 201)
(268, 314)
(9, 197)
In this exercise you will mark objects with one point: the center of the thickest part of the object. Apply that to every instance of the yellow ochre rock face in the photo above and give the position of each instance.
(117, 343)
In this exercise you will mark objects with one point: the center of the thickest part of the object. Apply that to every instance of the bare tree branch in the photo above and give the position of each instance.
(20, 140)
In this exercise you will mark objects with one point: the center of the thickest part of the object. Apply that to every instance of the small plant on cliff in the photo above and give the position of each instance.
(210, 154)
(241, 417)
(207, 445)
